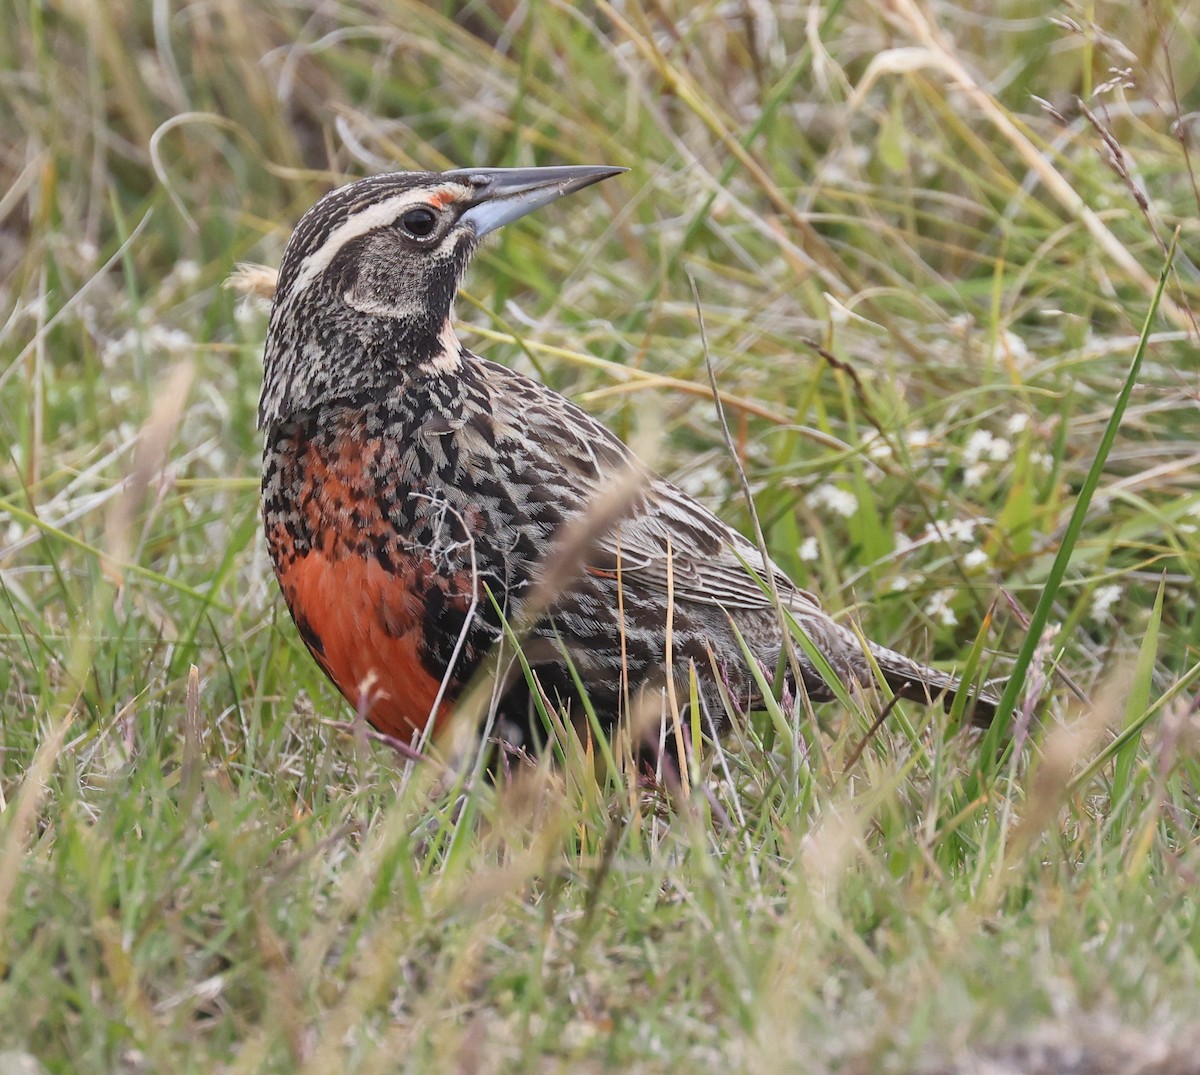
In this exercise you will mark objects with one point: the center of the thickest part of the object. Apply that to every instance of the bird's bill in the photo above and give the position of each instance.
(507, 194)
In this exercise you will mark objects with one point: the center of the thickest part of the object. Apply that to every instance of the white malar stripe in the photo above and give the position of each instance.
(450, 357)
(374, 216)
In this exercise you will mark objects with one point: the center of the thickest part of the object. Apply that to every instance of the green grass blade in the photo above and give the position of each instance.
(1137, 706)
(992, 757)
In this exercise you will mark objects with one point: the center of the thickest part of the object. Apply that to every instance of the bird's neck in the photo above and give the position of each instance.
(356, 359)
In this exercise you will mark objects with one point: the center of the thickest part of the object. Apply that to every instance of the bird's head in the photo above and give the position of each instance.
(369, 276)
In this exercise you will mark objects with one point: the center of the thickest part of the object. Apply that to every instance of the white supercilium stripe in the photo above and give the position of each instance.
(379, 215)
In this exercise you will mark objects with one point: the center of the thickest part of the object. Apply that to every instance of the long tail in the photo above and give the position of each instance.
(920, 683)
(843, 648)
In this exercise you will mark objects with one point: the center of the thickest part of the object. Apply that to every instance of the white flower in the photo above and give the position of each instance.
(917, 439)
(809, 549)
(836, 500)
(159, 338)
(702, 481)
(975, 558)
(186, 271)
(982, 444)
(960, 530)
(116, 349)
(951, 530)
(900, 583)
(974, 474)
(37, 309)
(877, 448)
(1016, 348)
(1103, 598)
(1017, 423)
(938, 608)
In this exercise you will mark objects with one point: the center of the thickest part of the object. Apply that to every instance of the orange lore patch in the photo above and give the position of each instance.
(363, 626)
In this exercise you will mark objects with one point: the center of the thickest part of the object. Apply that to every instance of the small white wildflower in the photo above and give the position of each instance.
(982, 444)
(116, 349)
(1016, 348)
(185, 272)
(974, 474)
(978, 445)
(877, 448)
(918, 439)
(1041, 460)
(1017, 423)
(702, 481)
(1103, 598)
(960, 530)
(38, 308)
(809, 549)
(975, 558)
(902, 542)
(836, 500)
(159, 338)
(900, 583)
(833, 173)
(938, 608)
(949, 530)
(87, 252)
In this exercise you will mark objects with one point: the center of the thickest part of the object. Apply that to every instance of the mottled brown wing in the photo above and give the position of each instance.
(710, 563)
(708, 559)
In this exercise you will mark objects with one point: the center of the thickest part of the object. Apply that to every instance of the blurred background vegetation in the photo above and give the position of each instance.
(925, 237)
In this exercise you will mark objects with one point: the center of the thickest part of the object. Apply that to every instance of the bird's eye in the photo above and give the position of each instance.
(419, 223)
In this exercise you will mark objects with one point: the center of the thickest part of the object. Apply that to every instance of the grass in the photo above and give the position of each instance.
(926, 242)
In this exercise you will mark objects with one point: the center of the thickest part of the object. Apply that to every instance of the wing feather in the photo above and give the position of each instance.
(710, 562)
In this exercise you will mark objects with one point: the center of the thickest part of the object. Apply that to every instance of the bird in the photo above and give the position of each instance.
(419, 501)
